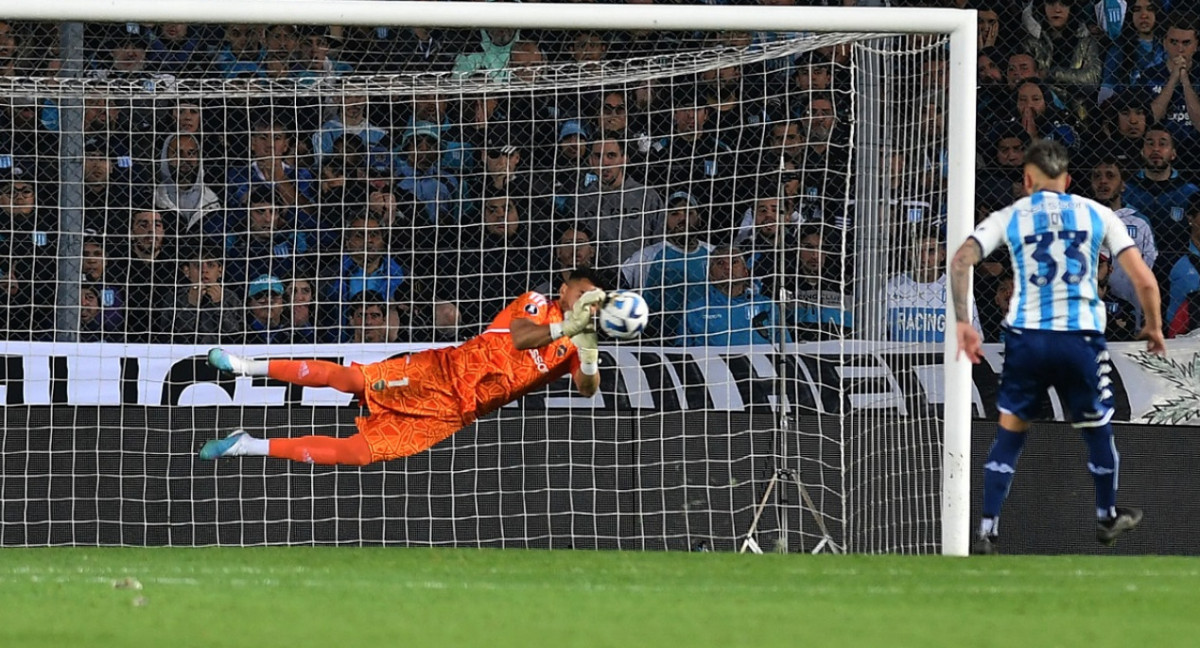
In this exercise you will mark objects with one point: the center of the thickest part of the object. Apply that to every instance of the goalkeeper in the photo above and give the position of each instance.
(417, 400)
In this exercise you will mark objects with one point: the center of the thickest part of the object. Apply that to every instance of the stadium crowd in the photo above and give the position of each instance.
(290, 210)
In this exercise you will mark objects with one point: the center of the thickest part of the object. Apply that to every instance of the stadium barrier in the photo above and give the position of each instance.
(821, 378)
(129, 476)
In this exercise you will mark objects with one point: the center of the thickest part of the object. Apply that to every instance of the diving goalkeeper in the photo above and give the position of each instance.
(417, 400)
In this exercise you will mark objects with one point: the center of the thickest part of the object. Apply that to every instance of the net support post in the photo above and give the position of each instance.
(70, 198)
(958, 382)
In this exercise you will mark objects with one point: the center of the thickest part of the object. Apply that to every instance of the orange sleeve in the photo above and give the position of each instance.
(532, 306)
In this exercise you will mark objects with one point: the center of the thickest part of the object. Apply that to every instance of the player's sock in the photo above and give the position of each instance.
(327, 451)
(1105, 465)
(999, 470)
(248, 446)
(254, 367)
(989, 527)
(317, 373)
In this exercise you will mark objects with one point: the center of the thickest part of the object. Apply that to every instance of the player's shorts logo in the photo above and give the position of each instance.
(532, 309)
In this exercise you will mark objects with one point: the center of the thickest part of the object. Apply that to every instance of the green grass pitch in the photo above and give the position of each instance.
(442, 598)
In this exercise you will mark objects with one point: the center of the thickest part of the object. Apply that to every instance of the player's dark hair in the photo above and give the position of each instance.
(1159, 128)
(610, 137)
(1181, 20)
(1111, 160)
(590, 275)
(1051, 158)
(812, 230)
(572, 227)
(366, 299)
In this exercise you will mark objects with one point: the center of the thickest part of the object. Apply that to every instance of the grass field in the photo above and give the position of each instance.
(345, 597)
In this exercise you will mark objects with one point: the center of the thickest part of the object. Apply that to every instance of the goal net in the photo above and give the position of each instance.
(358, 193)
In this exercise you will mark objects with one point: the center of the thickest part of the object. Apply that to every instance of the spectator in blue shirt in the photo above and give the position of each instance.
(365, 263)
(270, 243)
(176, 51)
(264, 312)
(731, 312)
(366, 319)
(318, 46)
(301, 315)
(1159, 192)
(1177, 105)
(672, 273)
(1181, 269)
(821, 291)
(1137, 49)
(282, 48)
(242, 53)
(419, 174)
(96, 273)
(433, 111)
(348, 118)
(271, 164)
(93, 325)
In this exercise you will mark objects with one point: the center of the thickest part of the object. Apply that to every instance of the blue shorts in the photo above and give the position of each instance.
(1075, 364)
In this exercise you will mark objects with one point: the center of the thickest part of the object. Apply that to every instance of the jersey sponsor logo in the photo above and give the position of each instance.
(538, 362)
(915, 324)
(537, 301)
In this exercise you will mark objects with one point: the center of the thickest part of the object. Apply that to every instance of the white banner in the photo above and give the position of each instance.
(821, 378)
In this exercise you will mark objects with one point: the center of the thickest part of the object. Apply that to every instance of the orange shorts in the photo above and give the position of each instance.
(413, 405)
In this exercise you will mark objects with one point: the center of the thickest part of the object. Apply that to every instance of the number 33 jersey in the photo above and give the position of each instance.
(1055, 241)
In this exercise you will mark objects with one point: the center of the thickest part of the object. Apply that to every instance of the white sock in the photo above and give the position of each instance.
(989, 526)
(248, 446)
(254, 367)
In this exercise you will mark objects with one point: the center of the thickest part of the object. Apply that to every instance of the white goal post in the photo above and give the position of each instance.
(960, 25)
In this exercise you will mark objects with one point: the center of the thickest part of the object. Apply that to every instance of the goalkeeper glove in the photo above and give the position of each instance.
(580, 317)
(589, 355)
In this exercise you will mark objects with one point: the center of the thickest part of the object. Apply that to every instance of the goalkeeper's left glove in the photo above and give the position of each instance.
(579, 319)
(589, 354)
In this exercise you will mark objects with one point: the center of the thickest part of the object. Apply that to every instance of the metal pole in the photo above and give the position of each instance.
(70, 188)
(956, 452)
(871, 132)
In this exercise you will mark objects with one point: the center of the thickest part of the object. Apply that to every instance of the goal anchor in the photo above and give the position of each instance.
(787, 473)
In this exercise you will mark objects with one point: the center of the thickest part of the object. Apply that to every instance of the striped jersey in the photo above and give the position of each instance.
(1055, 241)
(1140, 231)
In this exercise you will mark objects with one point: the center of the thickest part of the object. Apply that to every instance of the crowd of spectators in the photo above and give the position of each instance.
(328, 214)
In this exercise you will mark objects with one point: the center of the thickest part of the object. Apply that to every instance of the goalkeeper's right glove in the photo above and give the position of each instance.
(589, 354)
(580, 318)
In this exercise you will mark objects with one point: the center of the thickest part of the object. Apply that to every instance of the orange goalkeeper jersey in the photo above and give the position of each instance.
(489, 371)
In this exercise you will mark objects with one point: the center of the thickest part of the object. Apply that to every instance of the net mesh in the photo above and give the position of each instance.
(359, 194)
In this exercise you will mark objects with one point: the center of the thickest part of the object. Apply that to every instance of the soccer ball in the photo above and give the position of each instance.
(624, 315)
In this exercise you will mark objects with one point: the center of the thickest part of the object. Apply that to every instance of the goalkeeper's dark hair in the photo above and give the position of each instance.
(1050, 157)
(590, 275)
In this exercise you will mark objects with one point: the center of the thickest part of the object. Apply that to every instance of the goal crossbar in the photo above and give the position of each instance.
(513, 15)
